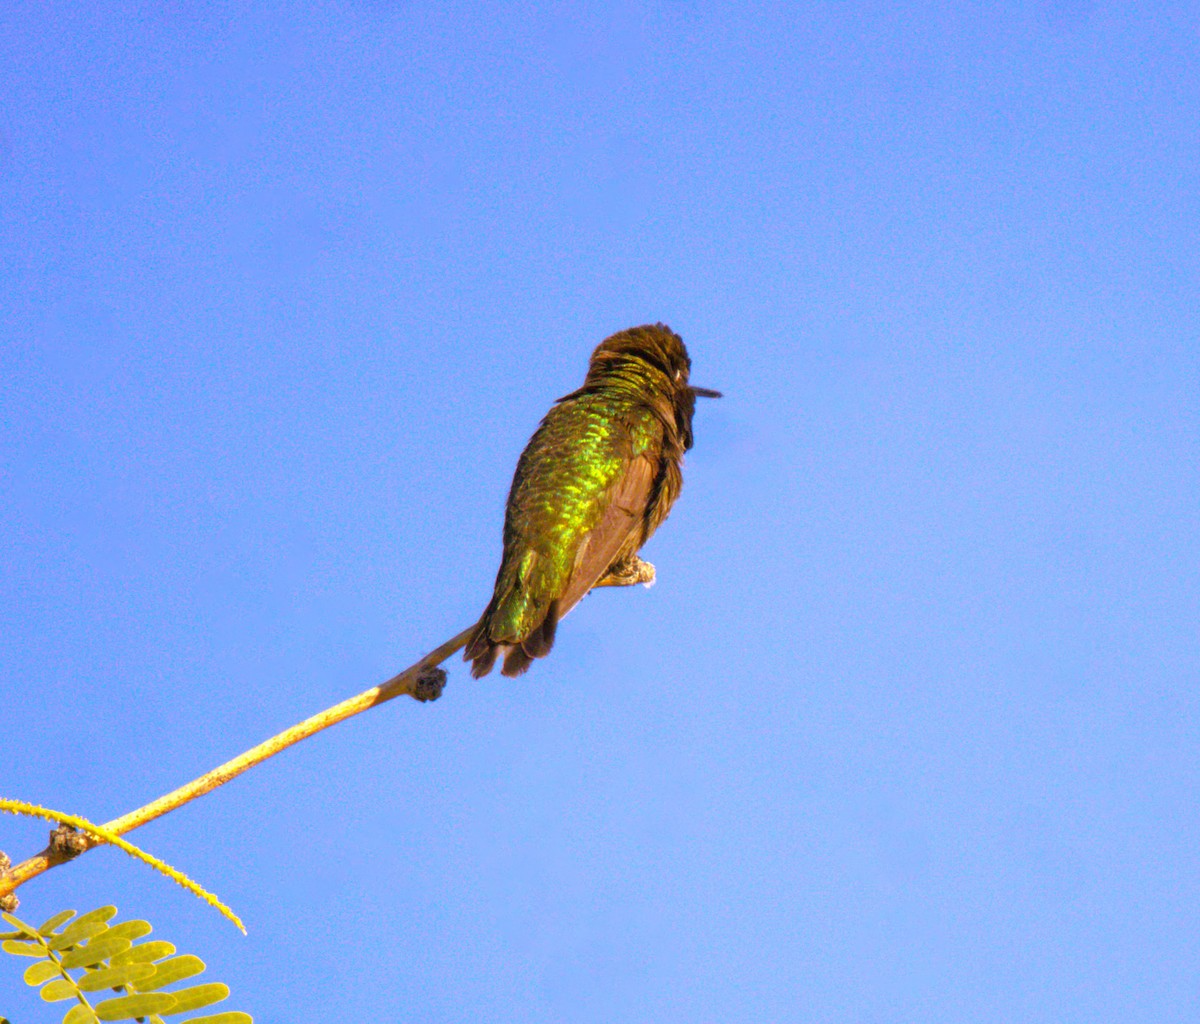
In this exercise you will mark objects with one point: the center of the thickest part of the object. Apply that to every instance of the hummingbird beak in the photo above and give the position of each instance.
(705, 392)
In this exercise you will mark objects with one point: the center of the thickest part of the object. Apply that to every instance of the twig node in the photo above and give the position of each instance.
(429, 684)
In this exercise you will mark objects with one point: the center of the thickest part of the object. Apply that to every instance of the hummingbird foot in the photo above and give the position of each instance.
(628, 573)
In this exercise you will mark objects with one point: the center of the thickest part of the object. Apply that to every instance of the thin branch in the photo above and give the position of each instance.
(422, 680)
(80, 828)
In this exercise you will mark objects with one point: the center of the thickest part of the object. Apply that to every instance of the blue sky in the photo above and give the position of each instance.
(907, 730)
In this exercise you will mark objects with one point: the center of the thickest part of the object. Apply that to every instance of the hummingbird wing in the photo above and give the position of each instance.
(620, 531)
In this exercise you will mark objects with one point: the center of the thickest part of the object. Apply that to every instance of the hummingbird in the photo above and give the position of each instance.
(597, 478)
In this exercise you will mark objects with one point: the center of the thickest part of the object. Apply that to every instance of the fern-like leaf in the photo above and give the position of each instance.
(81, 958)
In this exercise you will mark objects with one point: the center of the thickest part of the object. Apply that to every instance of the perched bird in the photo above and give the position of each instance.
(595, 481)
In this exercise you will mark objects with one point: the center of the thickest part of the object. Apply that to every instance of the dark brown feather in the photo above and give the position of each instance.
(516, 661)
(484, 657)
(539, 642)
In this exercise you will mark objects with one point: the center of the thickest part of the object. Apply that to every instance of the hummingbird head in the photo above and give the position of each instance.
(651, 356)
(657, 349)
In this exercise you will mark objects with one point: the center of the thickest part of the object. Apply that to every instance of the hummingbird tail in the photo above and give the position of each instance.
(482, 650)
(536, 645)
(479, 649)
(516, 662)
(541, 637)
(483, 661)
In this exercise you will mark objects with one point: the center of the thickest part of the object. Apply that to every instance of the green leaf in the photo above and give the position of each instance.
(200, 996)
(88, 926)
(76, 932)
(95, 951)
(144, 953)
(60, 918)
(104, 914)
(22, 948)
(141, 1005)
(80, 1014)
(113, 977)
(44, 970)
(131, 929)
(228, 1017)
(56, 991)
(20, 925)
(175, 969)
